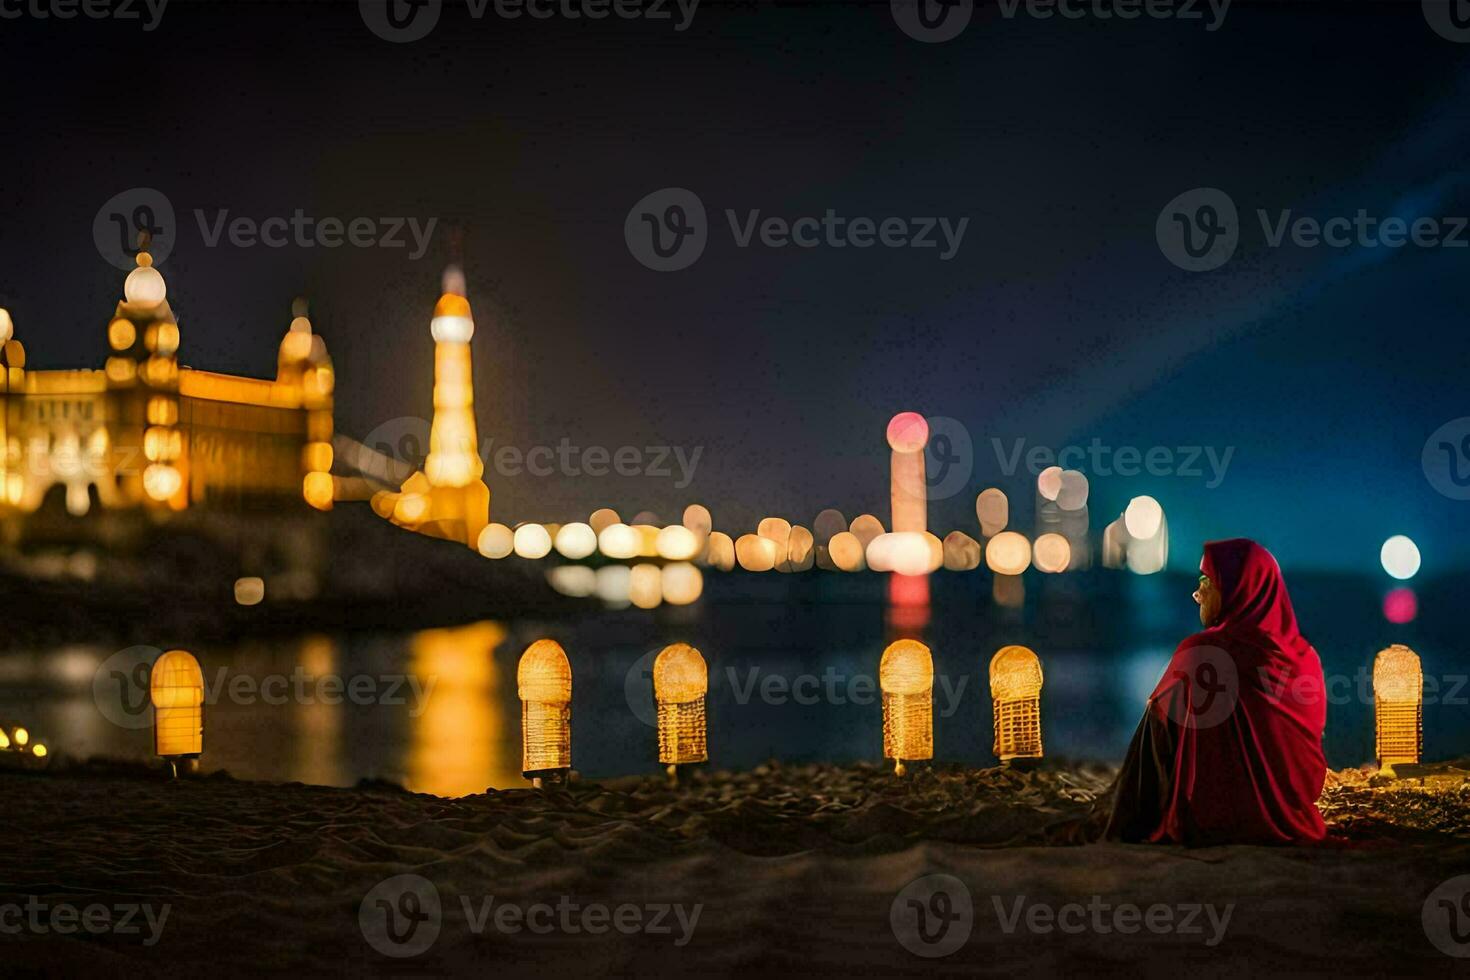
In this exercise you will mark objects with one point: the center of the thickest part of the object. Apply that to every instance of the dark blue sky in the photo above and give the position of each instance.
(1058, 321)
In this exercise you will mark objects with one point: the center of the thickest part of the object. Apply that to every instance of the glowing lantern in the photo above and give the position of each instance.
(4, 739)
(249, 590)
(532, 541)
(720, 551)
(677, 543)
(176, 687)
(993, 511)
(496, 541)
(755, 553)
(619, 541)
(576, 540)
(907, 434)
(319, 489)
(682, 583)
(906, 677)
(680, 682)
(1398, 706)
(38, 750)
(544, 682)
(1008, 553)
(1052, 553)
(1015, 693)
(20, 737)
(961, 552)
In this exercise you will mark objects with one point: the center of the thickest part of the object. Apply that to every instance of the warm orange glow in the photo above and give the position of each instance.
(1398, 706)
(801, 549)
(846, 551)
(866, 527)
(755, 553)
(908, 433)
(645, 586)
(619, 541)
(680, 682)
(121, 334)
(544, 682)
(1015, 692)
(697, 519)
(906, 678)
(682, 583)
(993, 510)
(496, 541)
(720, 551)
(961, 552)
(249, 591)
(576, 541)
(1008, 553)
(677, 543)
(319, 489)
(176, 687)
(603, 518)
(532, 541)
(1051, 553)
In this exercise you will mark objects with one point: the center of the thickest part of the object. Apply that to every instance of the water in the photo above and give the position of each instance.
(792, 665)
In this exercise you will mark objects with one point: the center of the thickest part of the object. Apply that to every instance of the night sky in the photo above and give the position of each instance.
(1057, 321)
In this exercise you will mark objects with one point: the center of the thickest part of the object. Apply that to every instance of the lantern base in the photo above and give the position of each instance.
(542, 778)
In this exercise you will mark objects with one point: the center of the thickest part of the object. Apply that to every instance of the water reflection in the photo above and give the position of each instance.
(463, 741)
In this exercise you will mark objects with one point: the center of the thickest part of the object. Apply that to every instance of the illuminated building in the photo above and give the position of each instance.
(145, 433)
(448, 499)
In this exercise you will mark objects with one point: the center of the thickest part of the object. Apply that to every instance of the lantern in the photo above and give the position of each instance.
(544, 680)
(680, 682)
(1398, 706)
(19, 736)
(906, 677)
(176, 687)
(1015, 693)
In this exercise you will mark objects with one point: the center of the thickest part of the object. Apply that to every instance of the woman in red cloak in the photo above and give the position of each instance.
(1230, 746)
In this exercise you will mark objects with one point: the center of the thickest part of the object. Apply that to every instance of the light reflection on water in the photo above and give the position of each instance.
(436, 710)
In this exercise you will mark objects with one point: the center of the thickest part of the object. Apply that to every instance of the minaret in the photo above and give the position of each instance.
(448, 499)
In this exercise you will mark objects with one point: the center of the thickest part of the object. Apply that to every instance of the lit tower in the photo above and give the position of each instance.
(302, 362)
(448, 499)
(144, 337)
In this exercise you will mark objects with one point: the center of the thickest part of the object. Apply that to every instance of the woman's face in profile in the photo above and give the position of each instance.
(1208, 597)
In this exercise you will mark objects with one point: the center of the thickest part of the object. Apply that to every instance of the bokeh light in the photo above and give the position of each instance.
(1400, 557)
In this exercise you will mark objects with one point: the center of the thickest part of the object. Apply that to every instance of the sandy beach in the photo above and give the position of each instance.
(790, 869)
